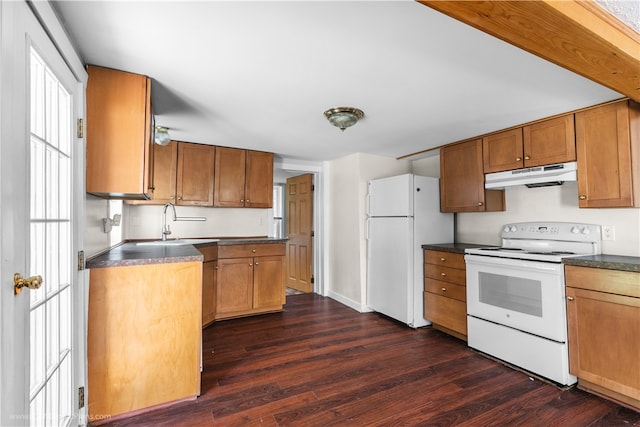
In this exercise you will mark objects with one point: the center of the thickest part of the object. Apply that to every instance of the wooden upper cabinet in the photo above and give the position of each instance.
(608, 151)
(119, 136)
(550, 141)
(542, 143)
(243, 178)
(229, 177)
(462, 180)
(194, 182)
(165, 165)
(502, 151)
(259, 180)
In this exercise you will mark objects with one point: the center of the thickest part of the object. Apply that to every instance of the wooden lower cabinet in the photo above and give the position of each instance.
(250, 279)
(209, 267)
(445, 292)
(144, 337)
(603, 313)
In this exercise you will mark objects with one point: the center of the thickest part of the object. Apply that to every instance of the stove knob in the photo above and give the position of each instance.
(585, 231)
(507, 229)
(575, 230)
(514, 228)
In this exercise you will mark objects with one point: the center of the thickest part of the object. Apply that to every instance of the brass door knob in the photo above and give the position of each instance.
(518, 159)
(444, 289)
(33, 282)
(527, 158)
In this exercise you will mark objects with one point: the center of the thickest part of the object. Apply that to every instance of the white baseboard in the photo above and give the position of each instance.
(362, 308)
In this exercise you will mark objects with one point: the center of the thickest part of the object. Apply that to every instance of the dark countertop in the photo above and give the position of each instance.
(610, 262)
(456, 248)
(130, 253)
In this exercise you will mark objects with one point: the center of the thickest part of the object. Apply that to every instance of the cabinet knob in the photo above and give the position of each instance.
(256, 263)
(444, 289)
(518, 159)
(527, 158)
(241, 200)
(215, 268)
(569, 298)
(250, 265)
(253, 250)
(443, 274)
(179, 197)
(443, 259)
(582, 197)
(480, 203)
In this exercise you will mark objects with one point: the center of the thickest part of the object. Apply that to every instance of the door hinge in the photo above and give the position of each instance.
(313, 280)
(80, 129)
(81, 397)
(313, 233)
(313, 187)
(80, 260)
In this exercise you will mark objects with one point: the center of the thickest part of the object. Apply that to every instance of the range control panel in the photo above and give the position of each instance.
(569, 231)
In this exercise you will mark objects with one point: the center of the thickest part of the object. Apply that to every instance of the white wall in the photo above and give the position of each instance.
(551, 204)
(346, 248)
(145, 222)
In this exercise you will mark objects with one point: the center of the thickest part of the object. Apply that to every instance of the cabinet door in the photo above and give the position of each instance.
(165, 165)
(234, 290)
(268, 282)
(208, 292)
(119, 137)
(194, 183)
(502, 151)
(604, 340)
(230, 167)
(604, 150)
(462, 180)
(259, 180)
(550, 141)
(447, 312)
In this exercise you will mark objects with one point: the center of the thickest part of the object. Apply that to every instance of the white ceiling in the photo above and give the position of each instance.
(259, 75)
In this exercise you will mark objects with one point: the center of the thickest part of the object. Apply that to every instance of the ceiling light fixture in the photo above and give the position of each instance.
(343, 117)
(161, 135)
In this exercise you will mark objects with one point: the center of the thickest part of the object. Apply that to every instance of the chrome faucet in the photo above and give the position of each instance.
(165, 228)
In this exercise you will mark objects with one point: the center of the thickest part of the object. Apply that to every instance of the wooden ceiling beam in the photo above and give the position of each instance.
(575, 34)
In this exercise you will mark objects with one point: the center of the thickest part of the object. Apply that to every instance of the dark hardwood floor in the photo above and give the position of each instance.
(320, 363)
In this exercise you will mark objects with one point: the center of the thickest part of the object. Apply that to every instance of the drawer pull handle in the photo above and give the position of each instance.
(569, 298)
(443, 274)
(443, 259)
(444, 289)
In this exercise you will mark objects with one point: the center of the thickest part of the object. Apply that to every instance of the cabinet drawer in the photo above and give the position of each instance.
(210, 252)
(445, 289)
(447, 312)
(598, 279)
(244, 251)
(447, 274)
(444, 258)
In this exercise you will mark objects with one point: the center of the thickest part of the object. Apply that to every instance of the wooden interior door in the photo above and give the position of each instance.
(299, 220)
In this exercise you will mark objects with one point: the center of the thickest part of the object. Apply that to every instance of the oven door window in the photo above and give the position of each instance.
(516, 294)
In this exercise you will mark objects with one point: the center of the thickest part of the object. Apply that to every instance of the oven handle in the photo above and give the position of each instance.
(512, 262)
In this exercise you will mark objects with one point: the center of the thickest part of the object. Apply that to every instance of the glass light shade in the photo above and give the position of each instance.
(343, 117)
(161, 136)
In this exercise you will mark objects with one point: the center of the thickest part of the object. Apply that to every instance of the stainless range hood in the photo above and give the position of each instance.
(539, 176)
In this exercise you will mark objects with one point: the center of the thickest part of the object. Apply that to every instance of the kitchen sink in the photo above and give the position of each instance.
(176, 242)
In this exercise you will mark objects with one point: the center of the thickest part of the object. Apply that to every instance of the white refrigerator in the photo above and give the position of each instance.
(403, 214)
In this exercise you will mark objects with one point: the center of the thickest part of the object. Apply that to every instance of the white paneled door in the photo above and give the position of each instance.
(42, 342)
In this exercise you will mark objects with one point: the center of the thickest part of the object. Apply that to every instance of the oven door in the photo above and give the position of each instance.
(521, 294)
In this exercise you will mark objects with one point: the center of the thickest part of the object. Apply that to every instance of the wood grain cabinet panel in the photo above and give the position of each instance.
(165, 168)
(502, 151)
(549, 141)
(603, 312)
(608, 153)
(194, 181)
(462, 180)
(250, 280)
(144, 337)
(119, 134)
(243, 178)
(445, 292)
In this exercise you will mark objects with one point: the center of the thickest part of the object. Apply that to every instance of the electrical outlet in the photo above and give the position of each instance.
(608, 232)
